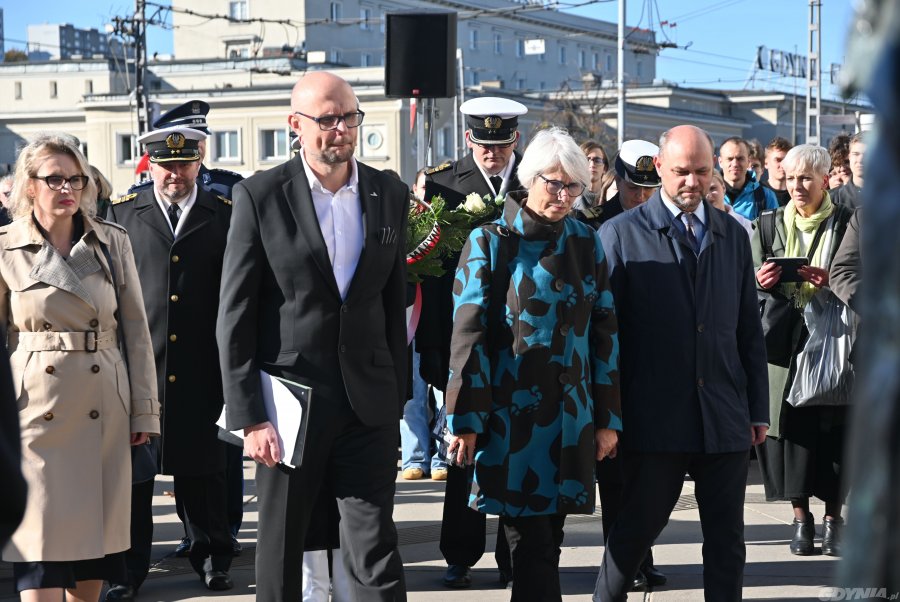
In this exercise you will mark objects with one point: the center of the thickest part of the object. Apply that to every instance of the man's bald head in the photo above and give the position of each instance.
(685, 165)
(317, 86)
(322, 94)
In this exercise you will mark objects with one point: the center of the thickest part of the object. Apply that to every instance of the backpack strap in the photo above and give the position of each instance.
(759, 197)
(767, 232)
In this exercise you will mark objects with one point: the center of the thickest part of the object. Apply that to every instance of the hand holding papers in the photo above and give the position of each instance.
(287, 406)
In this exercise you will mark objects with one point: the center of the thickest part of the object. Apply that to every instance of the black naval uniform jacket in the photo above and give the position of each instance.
(436, 321)
(180, 283)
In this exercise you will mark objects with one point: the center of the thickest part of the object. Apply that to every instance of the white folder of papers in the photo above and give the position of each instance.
(285, 412)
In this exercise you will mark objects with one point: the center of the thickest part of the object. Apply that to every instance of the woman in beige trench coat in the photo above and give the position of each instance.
(79, 404)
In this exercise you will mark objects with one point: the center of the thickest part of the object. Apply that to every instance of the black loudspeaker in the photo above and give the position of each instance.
(420, 54)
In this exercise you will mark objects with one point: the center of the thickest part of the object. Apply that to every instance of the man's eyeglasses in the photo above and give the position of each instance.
(555, 186)
(56, 182)
(327, 123)
(598, 161)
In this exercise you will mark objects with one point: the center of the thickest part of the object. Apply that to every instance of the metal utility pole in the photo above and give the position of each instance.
(139, 27)
(620, 120)
(814, 74)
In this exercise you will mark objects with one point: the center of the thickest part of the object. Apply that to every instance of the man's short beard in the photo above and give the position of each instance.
(335, 157)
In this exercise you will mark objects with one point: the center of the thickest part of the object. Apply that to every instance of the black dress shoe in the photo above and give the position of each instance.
(653, 576)
(458, 576)
(831, 536)
(640, 582)
(183, 549)
(218, 581)
(804, 532)
(120, 592)
(236, 547)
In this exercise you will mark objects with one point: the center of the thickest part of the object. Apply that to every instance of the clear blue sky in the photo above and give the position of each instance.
(721, 35)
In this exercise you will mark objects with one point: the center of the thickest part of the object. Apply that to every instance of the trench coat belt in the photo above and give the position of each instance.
(91, 340)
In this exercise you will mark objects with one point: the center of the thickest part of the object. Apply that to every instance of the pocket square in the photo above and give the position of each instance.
(387, 235)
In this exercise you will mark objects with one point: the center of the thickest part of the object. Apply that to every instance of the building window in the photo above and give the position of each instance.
(364, 15)
(18, 90)
(238, 10)
(543, 86)
(582, 59)
(520, 48)
(382, 25)
(382, 60)
(53, 90)
(473, 39)
(596, 61)
(498, 44)
(365, 59)
(336, 11)
(445, 141)
(88, 86)
(562, 55)
(274, 144)
(609, 62)
(227, 146)
(237, 50)
(336, 55)
(126, 148)
(640, 69)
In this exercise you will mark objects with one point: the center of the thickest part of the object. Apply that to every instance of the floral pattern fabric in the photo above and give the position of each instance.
(536, 376)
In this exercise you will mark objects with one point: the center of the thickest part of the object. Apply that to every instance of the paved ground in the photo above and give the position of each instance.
(771, 572)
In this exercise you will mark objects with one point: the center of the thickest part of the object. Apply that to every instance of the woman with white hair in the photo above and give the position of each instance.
(533, 395)
(803, 452)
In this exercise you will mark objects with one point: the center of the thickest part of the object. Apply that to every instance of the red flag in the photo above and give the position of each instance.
(143, 165)
(412, 115)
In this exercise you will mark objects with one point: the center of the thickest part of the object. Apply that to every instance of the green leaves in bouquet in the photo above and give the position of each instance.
(455, 227)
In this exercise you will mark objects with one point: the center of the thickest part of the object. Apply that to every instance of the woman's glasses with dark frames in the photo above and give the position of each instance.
(56, 182)
(555, 186)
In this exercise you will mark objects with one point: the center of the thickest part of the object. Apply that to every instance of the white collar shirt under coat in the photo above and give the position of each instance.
(184, 206)
(341, 222)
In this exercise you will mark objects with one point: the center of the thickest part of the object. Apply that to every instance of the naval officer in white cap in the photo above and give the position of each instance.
(489, 169)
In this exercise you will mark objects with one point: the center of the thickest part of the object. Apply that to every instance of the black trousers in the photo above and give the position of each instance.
(137, 558)
(463, 529)
(360, 463)
(234, 490)
(534, 544)
(206, 520)
(611, 487)
(653, 483)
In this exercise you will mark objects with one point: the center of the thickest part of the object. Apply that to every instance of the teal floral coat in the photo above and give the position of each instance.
(533, 364)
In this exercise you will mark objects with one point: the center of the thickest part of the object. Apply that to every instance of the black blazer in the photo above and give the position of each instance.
(436, 321)
(12, 502)
(180, 283)
(281, 310)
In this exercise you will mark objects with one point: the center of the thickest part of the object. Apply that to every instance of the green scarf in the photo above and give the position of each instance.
(793, 222)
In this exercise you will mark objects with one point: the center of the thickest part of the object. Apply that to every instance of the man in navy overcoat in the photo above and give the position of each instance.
(693, 367)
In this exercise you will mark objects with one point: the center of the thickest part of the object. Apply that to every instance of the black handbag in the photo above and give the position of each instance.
(782, 320)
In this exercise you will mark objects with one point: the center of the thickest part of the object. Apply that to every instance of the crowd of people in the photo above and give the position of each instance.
(616, 325)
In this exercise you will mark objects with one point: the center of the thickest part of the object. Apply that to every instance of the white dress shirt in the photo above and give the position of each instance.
(184, 205)
(341, 222)
(505, 173)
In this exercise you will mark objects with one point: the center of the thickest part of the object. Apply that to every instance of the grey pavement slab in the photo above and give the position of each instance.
(771, 573)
